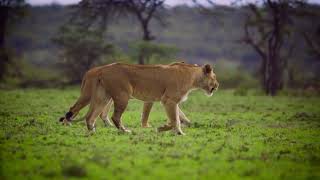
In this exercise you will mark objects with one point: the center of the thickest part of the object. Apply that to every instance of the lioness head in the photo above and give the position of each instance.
(208, 81)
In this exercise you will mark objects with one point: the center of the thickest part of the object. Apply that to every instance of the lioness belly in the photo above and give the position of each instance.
(147, 93)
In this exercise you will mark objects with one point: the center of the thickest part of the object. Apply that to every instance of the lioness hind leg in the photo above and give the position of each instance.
(145, 114)
(93, 113)
(98, 102)
(120, 105)
(104, 114)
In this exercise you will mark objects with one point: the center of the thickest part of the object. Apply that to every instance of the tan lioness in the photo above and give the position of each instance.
(86, 93)
(169, 84)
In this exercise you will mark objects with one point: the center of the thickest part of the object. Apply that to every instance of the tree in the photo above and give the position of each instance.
(145, 10)
(153, 52)
(9, 10)
(82, 48)
(267, 30)
(313, 42)
(100, 11)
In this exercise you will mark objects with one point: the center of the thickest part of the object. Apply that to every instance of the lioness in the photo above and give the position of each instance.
(86, 93)
(119, 82)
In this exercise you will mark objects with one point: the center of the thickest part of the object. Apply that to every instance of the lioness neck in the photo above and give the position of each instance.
(198, 76)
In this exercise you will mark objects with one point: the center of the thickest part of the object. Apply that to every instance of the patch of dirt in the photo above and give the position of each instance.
(278, 125)
(32, 122)
(231, 122)
(305, 116)
(74, 171)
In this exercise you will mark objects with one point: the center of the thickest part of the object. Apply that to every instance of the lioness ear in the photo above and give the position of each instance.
(207, 69)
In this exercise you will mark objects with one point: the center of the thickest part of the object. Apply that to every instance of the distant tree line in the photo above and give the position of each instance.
(89, 33)
(267, 30)
(10, 10)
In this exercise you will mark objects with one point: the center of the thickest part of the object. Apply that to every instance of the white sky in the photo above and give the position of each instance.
(169, 2)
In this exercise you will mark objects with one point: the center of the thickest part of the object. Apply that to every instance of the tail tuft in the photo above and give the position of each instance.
(69, 115)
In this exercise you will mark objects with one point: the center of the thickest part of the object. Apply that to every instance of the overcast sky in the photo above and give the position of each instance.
(169, 2)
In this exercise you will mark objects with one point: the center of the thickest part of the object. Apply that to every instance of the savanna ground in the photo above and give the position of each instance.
(231, 137)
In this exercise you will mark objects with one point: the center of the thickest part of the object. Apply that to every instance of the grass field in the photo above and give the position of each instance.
(231, 137)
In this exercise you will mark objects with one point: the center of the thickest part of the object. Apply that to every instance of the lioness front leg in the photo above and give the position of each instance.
(147, 106)
(171, 108)
(145, 114)
(104, 114)
(119, 107)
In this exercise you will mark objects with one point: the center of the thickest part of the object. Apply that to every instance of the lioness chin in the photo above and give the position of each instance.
(169, 84)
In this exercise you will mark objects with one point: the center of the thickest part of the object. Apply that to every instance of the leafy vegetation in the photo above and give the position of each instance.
(153, 52)
(230, 137)
(198, 38)
(81, 50)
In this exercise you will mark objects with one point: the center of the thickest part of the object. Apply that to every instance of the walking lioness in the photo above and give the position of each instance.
(169, 84)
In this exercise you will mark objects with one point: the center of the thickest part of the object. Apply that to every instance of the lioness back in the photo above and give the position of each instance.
(146, 82)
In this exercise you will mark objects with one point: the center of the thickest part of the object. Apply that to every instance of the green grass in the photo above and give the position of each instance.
(255, 137)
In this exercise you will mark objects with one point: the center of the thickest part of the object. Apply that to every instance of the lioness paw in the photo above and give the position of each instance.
(126, 130)
(180, 133)
(91, 132)
(146, 125)
(186, 123)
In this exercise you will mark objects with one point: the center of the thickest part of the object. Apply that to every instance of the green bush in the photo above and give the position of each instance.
(241, 91)
(154, 53)
(231, 75)
(310, 92)
(23, 74)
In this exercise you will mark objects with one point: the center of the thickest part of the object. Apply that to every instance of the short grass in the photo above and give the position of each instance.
(232, 137)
